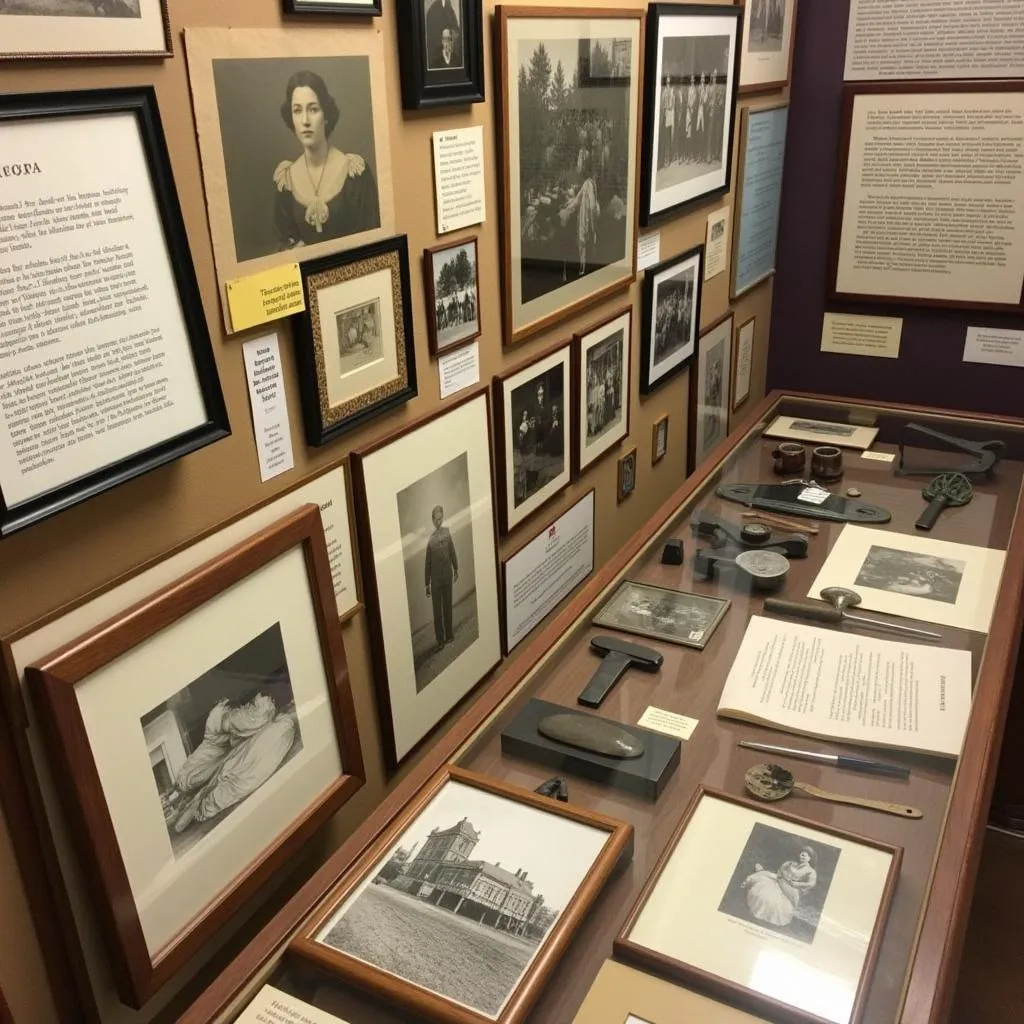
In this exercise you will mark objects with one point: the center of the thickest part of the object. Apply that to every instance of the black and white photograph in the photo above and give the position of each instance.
(453, 294)
(333, 7)
(846, 435)
(440, 44)
(626, 476)
(221, 737)
(538, 416)
(912, 573)
(659, 440)
(442, 38)
(767, 26)
(671, 294)
(436, 524)
(359, 336)
(709, 391)
(71, 8)
(662, 614)
(602, 387)
(823, 427)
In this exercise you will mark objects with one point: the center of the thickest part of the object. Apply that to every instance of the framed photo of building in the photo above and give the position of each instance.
(660, 613)
(691, 74)
(357, 7)
(199, 739)
(671, 312)
(768, 34)
(441, 50)
(533, 432)
(452, 288)
(626, 476)
(602, 357)
(773, 886)
(466, 871)
(354, 347)
(569, 128)
(429, 550)
(710, 403)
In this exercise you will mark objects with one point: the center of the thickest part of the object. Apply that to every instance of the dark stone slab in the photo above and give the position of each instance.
(592, 734)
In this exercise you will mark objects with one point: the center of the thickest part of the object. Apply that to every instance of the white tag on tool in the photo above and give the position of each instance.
(813, 495)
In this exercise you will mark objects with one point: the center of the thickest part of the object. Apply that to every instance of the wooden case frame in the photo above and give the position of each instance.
(431, 298)
(137, 973)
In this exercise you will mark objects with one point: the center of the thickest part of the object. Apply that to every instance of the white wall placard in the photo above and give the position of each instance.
(459, 178)
(269, 406)
(1001, 347)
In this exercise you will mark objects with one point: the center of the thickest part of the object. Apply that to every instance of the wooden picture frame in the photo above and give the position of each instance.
(743, 361)
(152, 923)
(358, 8)
(765, 66)
(549, 271)
(659, 439)
(466, 326)
(520, 827)
(358, 320)
(625, 476)
(710, 392)
(858, 876)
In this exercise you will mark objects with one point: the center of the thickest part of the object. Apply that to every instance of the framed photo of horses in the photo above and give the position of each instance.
(452, 288)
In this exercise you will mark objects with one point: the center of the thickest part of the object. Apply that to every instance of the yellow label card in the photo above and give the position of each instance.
(269, 295)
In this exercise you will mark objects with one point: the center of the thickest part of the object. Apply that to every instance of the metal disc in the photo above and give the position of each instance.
(769, 781)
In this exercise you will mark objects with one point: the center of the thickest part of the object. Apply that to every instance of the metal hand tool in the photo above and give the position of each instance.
(618, 655)
(945, 491)
(986, 454)
(835, 613)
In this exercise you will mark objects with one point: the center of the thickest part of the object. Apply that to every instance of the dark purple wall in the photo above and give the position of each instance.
(930, 369)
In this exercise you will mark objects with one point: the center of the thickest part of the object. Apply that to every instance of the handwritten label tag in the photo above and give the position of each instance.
(648, 250)
(668, 722)
(261, 298)
(813, 495)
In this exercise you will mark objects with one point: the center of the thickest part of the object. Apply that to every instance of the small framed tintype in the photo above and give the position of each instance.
(662, 614)
(430, 566)
(452, 288)
(569, 145)
(626, 476)
(200, 738)
(659, 439)
(671, 312)
(465, 871)
(690, 81)
(357, 7)
(353, 345)
(533, 434)
(774, 888)
(441, 50)
(602, 357)
(768, 34)
(710, 404)
(743, 362)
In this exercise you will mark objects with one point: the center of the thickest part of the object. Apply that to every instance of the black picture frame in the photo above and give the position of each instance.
(346, 7)
(141, 103)
(424, 87)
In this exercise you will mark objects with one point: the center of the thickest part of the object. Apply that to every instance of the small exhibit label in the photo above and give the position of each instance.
(862, 335)
(266, 296)
(879, 456)
(1001, 347)
(648, 250)
(668, 722)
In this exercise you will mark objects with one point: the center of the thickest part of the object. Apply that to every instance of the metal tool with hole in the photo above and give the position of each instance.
(947, 490)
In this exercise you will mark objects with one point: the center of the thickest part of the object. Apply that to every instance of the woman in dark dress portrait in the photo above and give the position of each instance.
(325, 193)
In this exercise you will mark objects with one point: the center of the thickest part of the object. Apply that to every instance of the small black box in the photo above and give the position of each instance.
(672, 553)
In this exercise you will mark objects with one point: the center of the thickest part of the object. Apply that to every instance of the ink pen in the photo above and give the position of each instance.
(856, 764)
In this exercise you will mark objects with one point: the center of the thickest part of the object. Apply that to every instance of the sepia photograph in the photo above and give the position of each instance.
(442, 37)
(359, 336)
(709, 392)
(72, 8)
(912, 573)
(671, 295)
(767, 25)
(846, 435)
(601, 387)
(453, 294)
(626, 475)
(604, 386)
(662, 614)
(221, 737)
(659, 440)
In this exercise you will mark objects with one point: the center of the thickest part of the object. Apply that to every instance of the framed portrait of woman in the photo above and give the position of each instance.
(293, 137)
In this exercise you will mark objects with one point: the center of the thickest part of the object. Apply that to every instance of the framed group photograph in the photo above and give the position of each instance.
(430, 566)
(369, 8)
(671, 312)
(690, 84)
(743, 362)
(602, 357)
(774, 889)
(710, 403)
(660, 613)
(466, 872)
(767, 45)
(199, 739)
(659, 439)
(533, 434)
(354, 345)
(440, 45)
(569, 129)
(626, 476)
(452, 287)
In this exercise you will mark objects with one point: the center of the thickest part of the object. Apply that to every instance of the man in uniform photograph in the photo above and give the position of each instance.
(440, 572)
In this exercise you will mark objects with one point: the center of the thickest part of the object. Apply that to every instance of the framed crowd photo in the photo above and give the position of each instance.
(743, 362)
(430, 566)
(533, 434)
(710, 403)
(452, 287)
(690, 82)
(659, 613)
(199, 739)
(774, 888)
(357, 7)
(671, 312)
(108, 371)
(768, 34)
(659, 439)
(569, 127)
(466, 871)
(293, 137)
(354, 346)
(601, 358)
(625, 476)
(441, 51)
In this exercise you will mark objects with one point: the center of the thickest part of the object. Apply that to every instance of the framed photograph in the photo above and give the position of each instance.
(659, 439)
(293, 136)
(671, 310)
(354, 347)
(799, 428)
(662, 614)
(768, 34)
(452, 288)
(690, 82)
(602, 357)
(743, 362)
(569, 128)
(466, 872)
(441, 51)
(430, 566)
(626, 476)
(108, 371)
(199, 739)
(774, 888)
(533, 434)
(709, 392)
(51, 29)
(357, 7)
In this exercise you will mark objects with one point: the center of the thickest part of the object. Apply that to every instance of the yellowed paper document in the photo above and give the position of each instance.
(272, 1006)
(862, 335)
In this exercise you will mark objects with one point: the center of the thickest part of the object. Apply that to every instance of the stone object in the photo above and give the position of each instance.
(852, 492)
(672, 553)
(588, 732)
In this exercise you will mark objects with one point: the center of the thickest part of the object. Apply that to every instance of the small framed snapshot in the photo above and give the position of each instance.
(691, 74)
(430, 566)
(368, 8)
(800, 428)
(533, 434)
(662, 614)
(570, 137)
(768, 34)
(601, 357)
(200, 738)
(452, 287)
(354, 347)
(466, 872)
(441, 50)
(743, 362)
(709, 392)
(671, 311)
(626, 476)
(659, 439)
(774, 888)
